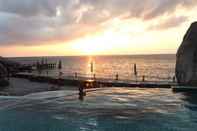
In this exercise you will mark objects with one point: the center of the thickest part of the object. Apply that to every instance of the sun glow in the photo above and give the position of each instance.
(99, 43)
(92, 45)
(116, 34)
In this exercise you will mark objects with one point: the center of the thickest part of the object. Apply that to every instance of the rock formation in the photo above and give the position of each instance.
(3, 71)
(3, 75)
(7, 68)
(186, 63)
(10, 65)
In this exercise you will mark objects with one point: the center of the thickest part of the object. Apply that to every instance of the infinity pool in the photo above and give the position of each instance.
(110, 109)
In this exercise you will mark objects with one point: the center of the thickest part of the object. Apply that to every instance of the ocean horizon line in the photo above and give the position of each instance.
(100, 55)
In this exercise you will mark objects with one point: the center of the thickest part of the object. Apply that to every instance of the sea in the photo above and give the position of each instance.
(153, 67)
(107, 108)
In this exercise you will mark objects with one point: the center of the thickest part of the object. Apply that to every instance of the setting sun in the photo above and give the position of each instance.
(112, 37)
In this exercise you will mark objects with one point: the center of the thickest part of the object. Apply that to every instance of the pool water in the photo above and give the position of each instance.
(109, 109)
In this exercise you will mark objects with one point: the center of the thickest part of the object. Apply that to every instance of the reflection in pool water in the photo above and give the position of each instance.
(110, 109)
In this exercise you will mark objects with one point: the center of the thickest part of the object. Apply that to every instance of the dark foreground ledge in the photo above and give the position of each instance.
(21, 87)
(104, 83)
(188, 89)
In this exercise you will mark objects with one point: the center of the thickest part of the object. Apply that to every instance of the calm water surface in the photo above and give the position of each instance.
(108, 109)
(107, 66)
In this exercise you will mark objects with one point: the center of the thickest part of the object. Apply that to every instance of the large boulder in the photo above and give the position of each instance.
(7, 68)
(3, 71)
(3, 75)
(10, 65)
(186, 63)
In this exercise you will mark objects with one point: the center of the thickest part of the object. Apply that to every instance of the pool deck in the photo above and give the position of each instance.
(184, 89)
(72, 81)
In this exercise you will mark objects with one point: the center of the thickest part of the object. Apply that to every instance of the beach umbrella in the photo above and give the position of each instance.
(46, 61)
(91, 67)
(42, 61)
(37, 64)
(135, 69)
(60, 64)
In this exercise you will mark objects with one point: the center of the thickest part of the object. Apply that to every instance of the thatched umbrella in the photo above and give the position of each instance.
(135, 69)
(60, 64)
(91, 67)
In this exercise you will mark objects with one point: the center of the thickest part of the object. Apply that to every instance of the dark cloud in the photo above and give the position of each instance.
(38, 21)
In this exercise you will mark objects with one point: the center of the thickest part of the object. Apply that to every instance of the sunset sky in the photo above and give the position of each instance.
(93, 27)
